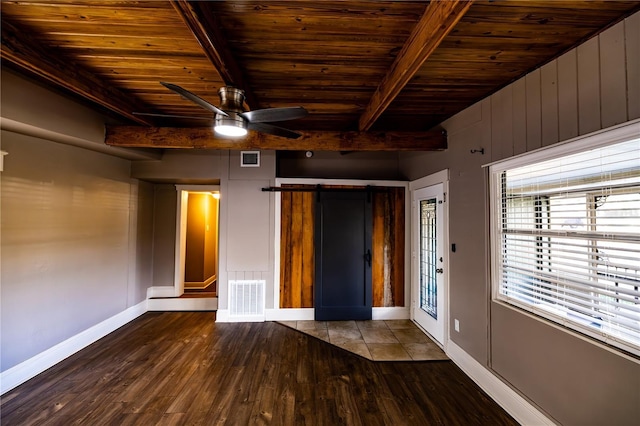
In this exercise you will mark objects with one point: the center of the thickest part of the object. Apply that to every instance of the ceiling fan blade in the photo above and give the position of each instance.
(194, 98)
(273, 130)
(274, 114)
(152, 114)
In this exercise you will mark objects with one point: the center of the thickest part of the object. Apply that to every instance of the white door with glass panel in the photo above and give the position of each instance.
(428, 301)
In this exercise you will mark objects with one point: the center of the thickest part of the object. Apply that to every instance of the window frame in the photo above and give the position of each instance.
(497, 201)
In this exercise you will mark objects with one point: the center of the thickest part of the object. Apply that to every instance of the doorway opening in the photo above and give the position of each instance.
(201, 248)
(197, 242)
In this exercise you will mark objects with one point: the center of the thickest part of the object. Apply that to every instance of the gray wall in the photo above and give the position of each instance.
(75, 228)
(246, 213)
(84, 234)
(66, 230)
(336, 165)
(249, 215)
(143, 243)
(589, 88)
(164, 234)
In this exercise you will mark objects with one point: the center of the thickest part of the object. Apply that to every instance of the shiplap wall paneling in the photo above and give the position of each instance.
(502, 124)
(534, 115)
(589, 87)
(519, 116)
(632, 58)
(568, 96)
(613, 82)
(496, 128)
(249, 275)
(507, 127)
(549, 102)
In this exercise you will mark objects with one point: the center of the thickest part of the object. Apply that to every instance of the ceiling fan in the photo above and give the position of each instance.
(230, 118)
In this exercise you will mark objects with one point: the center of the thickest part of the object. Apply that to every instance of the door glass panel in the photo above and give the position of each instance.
(428, 257)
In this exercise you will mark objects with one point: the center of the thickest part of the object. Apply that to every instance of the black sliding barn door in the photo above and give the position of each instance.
(343, 256)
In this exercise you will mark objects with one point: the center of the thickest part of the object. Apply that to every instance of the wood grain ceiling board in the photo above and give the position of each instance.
(328, 56)
(140, 43)
(494, 44)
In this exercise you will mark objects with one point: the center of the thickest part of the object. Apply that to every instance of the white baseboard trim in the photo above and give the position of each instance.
(518, 407)
(35, 365)
(308, 314)
(290, 314)
(161, 291)
(222, 315)
(394, 313)
(184, 304)
(199, 285)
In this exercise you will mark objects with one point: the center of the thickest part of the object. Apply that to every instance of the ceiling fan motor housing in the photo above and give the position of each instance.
(231, 102)
(231, 99)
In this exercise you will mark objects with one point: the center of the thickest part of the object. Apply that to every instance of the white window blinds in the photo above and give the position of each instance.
(567, 238)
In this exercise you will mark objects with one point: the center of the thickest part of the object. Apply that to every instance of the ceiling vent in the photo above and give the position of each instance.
(250, 159)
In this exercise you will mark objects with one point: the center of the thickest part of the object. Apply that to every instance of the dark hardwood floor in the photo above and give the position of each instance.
(182, 368)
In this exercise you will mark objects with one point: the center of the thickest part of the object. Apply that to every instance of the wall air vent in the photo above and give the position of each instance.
(250, 159)
(246, 298)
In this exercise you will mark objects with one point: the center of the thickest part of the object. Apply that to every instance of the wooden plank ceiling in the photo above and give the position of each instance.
(374, 75)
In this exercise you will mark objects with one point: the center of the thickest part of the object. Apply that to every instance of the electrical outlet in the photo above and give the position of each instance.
(456, 325)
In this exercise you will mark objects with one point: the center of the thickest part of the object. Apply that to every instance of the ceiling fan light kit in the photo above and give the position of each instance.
(231, 119)
(233, 125)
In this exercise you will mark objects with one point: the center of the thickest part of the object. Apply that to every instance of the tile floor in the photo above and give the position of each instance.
(388, 340)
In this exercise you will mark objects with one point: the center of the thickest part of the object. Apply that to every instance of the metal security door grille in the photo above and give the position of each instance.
(428, 257)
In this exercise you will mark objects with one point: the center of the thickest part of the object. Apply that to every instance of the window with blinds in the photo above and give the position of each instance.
(566, 228)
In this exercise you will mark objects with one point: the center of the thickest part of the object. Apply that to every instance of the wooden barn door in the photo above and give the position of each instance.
(297, 251)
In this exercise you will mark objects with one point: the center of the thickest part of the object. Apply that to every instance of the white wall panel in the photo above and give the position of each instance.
(549, 103)
(519, 107)
(589, 86)
(534, 113)
(613, 82)
(568, 95)
(502, 124)
(496, 128)
(632, 57)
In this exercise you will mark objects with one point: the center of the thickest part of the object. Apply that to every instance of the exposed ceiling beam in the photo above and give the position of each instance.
(203, 137)
(19, 50)
(437, 21)
(207, 31)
